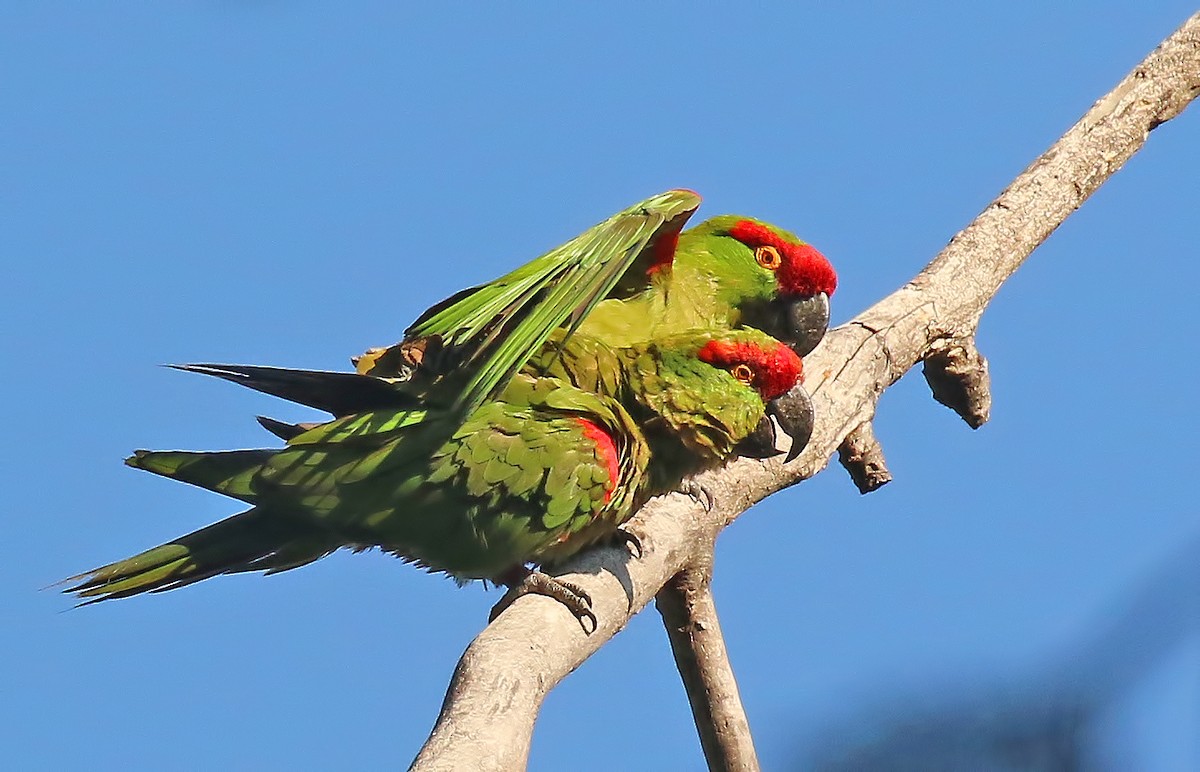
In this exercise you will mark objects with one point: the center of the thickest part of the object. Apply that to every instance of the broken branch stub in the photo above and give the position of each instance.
(958, 377)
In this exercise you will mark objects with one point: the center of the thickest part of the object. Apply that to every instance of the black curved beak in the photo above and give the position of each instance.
(807, 320)
(761, 442)
(794, 414)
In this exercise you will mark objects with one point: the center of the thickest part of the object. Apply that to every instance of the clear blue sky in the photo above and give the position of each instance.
(283, 183)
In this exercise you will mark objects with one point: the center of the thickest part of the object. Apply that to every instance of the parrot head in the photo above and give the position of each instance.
(777, 283)
(714, 393)
(776, 372)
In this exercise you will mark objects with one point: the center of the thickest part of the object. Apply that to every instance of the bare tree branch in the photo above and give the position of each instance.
(496, 691)
(690, 616)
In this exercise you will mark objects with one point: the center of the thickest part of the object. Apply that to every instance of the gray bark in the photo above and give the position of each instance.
(689, 614)
(498, 687)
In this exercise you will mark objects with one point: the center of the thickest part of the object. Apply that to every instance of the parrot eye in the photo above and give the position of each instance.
(743, 373)
(768, 257)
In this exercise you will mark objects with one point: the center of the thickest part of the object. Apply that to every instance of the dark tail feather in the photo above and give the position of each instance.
(336, 393)
(251, 541)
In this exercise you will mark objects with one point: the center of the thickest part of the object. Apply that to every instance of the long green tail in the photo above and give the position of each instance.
(230, 472)
(251, 541)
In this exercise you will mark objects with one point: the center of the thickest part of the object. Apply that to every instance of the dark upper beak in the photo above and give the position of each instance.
(806, 321)
(800, 322)
(793, 412)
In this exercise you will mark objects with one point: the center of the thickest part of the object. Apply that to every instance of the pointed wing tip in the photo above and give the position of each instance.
(681, 202)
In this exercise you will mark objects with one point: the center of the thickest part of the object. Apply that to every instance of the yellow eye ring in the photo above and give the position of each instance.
(743, 373)
(768, 257)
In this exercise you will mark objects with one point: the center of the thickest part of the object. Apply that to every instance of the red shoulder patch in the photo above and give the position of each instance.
(606, 452)
(804, 270)
(776, 369)
(662, 253)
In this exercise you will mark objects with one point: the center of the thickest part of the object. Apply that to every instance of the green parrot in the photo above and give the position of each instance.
(581, 360)
(726, 272)
(634, 277)
(554, 465)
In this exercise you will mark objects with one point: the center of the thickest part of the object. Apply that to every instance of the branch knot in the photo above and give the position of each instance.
(958, 377)
(862, 456)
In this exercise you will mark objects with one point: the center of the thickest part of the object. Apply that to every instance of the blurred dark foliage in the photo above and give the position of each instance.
(1047, 720)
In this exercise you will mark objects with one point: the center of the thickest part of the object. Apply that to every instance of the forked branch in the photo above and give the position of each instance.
(495, 694)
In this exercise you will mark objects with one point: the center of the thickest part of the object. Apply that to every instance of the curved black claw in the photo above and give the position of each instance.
(807, 322)
(698, 492)
(574, 597)
(794, 414)
(623, 537)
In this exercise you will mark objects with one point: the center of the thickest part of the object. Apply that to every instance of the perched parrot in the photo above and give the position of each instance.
(634, 277)
(554, 465)
(580, 360)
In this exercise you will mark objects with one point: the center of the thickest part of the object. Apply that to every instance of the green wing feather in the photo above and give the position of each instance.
(496, 327)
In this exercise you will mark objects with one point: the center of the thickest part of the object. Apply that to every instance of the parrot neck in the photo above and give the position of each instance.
(684, 297)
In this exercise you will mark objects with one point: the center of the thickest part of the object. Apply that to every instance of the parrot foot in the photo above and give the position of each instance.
(702, 495)
(525, 581)
(623, 537)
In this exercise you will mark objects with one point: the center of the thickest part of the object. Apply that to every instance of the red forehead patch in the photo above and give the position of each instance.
(804, 270)
(776, 369)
